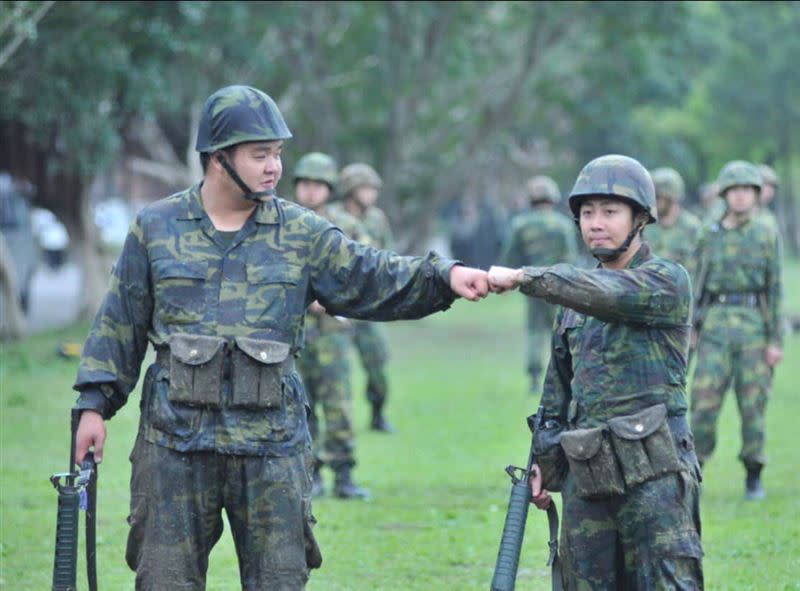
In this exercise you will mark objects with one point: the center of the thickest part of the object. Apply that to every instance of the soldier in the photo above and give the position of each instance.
(738, 318)
(711, 207)
(676, 235)
(218, 278)
(324, 364)
(540, 236)
(615, 395)
(359, 186)
(768, 191)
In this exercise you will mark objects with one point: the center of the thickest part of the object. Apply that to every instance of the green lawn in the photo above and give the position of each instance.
(459, 401)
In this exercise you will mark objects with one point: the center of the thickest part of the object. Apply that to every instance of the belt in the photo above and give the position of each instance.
(747, 299)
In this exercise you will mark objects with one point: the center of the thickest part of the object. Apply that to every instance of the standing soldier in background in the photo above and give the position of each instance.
(677, 233)
(738, 300)
(359, 187)
(768, 191)
(711, 208)
(324, 363)
(540, 236)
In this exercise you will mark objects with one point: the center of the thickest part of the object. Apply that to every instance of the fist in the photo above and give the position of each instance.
(471, 284)
(502, 279)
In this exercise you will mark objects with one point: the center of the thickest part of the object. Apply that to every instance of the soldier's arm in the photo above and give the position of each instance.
(774, 289)
(655, 294)
(117, 342)
(358, 281)
(556, 392)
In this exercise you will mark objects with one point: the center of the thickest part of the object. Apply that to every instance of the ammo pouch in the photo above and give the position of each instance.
(257, 369)
(195, 369)
(592, 462)
(549, 454)
(629, 451)
(644, 445)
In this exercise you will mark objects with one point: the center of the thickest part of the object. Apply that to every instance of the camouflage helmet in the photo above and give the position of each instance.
(543, 188)
(739, 173)
(316, 166)
(616, 176)
(357, 175)
(669, 184)
(237, 114)
(768, 175)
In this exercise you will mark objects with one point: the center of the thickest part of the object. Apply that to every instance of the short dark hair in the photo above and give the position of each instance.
(205, 157)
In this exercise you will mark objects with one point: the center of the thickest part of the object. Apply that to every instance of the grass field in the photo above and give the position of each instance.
(459, 401)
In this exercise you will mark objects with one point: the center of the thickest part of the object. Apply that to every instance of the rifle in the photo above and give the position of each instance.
(505, 570)
(78, 491)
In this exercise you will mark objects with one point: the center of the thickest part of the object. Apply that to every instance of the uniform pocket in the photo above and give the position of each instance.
(195, 369)
(257, 377)
(644, 445)
(592, 463)
(550, 456)
(268, 291)
(179, 290)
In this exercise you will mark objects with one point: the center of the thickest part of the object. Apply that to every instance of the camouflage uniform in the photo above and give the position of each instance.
(540, 236)
(677, 242)
(739, 296)
(619, 347)
(223, 412)
(370, 340)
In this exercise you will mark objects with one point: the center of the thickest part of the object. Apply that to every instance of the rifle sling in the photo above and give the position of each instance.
(553, 562)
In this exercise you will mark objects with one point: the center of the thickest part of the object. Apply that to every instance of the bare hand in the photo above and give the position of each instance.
(471, 284)
(540, 497)
(316, 308)
(91, 432)
(773, 355)
(502, 278)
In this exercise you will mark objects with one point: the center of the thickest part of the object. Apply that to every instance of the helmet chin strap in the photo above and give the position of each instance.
(608, 255)
(248, 193)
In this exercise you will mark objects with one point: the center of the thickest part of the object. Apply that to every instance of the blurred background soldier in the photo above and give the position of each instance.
(738, 317)
(359, 187)
(540, 236)
(676, 235)
(768, 190)
(711, 208)
(324, 364)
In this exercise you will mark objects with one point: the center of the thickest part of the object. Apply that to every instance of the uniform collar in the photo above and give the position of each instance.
(267, 212)
(642, 255)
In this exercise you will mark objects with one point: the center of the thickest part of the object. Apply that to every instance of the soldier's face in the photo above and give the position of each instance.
(605, 223)
(365, 196)
(767, 193)
(259, 164)
(311, 194)
(664, 206)
(741, 198)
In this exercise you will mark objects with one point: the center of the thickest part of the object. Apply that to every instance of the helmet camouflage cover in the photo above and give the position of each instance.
(739, 173)
(317, 166)
(768, 175)
(618, 176)
(238, 114)
(669, 184)
(543, 188)
(358, 175)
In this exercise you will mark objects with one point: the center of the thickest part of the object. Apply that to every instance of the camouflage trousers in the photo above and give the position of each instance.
(373, 349)
(176, 518)
(646, 539)
(720, 363)
(325, 368)
(540, 331)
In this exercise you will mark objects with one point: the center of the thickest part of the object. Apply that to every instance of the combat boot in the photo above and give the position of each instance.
(753, 489)
(345, 488)
(379, 422)
(317, 484)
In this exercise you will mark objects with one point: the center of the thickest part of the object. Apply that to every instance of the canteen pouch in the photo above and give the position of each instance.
(644, 445)
(549, 454)
(195, 369)
(257, 370)
(592, 463)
